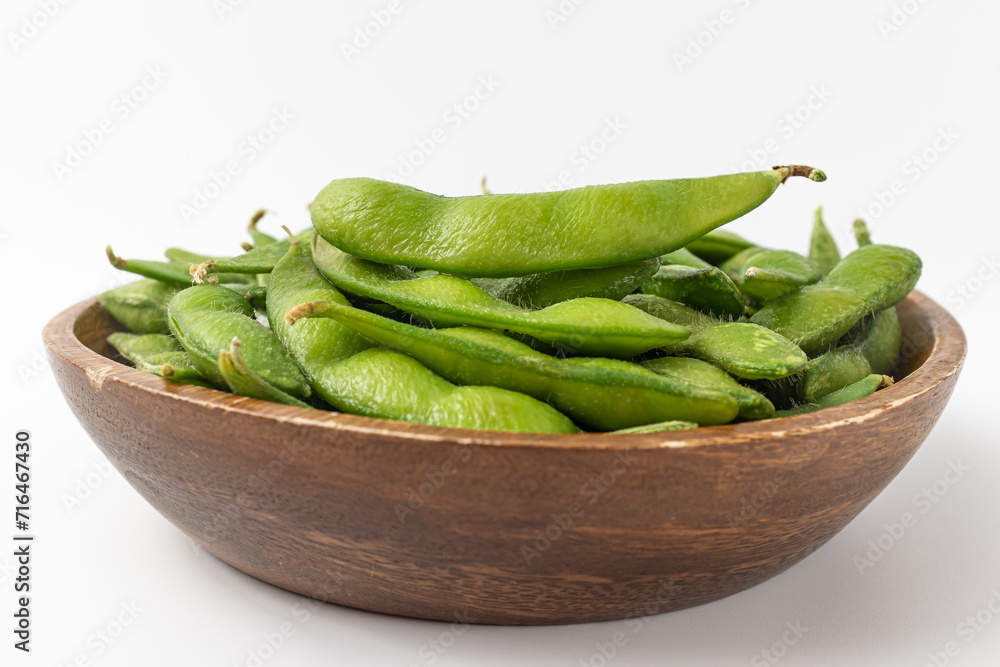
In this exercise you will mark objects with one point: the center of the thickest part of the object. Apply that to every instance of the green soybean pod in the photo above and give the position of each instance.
(685, 257)
(872, 278)
(753, 405)
(659, 427)
(742, 349)
(764, 274)
(717, 246)
(823, 250)
(184, 257)
(598, 394)
(860, 389)
(505, 235)
(256, 261)
(707, 289)
(243, 381)
(541, 290)
(352, 375)
(586, 326)
(158, 354)
(140, 306)
(861, 233)
(871, 346)
(205, 319)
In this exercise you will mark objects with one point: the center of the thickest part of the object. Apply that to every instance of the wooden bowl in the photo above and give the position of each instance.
(492, 527)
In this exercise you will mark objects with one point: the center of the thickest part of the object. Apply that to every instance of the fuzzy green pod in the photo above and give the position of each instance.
(764, 274)
(852, 392)
(599, 394)
(540, 290)
(158, 354)
(707, 289)
(872, 278)
(753, 405)
(741, 349)
(823, 250)
(351, 374)
(585, 326)
(502, 235)
(140, 306)
(206, 318)
(717, 246)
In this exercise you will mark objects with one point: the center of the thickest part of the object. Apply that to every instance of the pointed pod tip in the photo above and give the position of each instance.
(115, 260)
(811, 173)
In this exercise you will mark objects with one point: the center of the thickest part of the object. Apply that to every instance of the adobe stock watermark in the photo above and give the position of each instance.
(121, 108)
(923, 502)
(587, 153)
(86, 485)
(35, 366)
(366, 33)
(556, 16)
(223, 8)
(912, 170)
(32, 24)
(763, 493)
(563, 522)
(108, 635)
(899, 16)
(779, 648)
(635, 622)
(793, 120)
(453, 118)
(246, 152)
(967, 290)
(432, 650)
(971, 627)
(274, 640)
(712, 29)
(417, 496)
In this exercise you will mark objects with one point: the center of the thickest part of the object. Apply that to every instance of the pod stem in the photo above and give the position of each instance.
(115, 260)
(202, 273)
(811, 173)
(304, 310)
(256, 218)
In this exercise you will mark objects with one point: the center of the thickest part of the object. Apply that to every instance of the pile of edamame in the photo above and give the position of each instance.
(614, 308)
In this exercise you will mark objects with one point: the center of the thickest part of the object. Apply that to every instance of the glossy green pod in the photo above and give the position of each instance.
(140, 306)
(764, 274)
(707, 289)
(871, 346)
(599, 394)
(685, 257)
(753, 405)
(872, 278)
(717, 246)
(659, 427)
(256, 261)
(823, 250)
(540, 290)
(158, 354)
(352, 375)
(852, 392)
(741, 349)
(205, 318)
(243, 381)
(504, 235)
(586, 326)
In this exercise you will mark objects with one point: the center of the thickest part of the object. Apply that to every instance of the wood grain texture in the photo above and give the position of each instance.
(315, 502)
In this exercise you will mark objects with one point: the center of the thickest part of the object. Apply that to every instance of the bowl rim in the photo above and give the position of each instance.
(945, 359)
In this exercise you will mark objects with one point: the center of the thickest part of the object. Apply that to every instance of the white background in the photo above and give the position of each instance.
(869, 85)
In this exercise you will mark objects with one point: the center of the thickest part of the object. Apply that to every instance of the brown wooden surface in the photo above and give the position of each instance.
(305, 499)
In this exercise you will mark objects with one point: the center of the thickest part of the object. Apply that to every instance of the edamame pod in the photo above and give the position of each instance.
(185, 257)
(764, 274)
(243, 381)
(741, 349)
(586, 326)
(871, 346)
(753, 405)
(518, 234)
(861, 233)
(168, 272)
(351, 375)
(659, 427)
(599, 394)
(872, 278)
(685, 257)
(823, 249)
(540, 290)
(158, 354)
(717, 246)
(860, 389)
(707, 289)
(258, 260)
(140, 306)
(204, 319)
